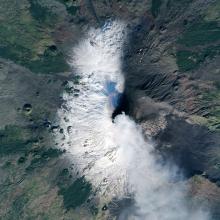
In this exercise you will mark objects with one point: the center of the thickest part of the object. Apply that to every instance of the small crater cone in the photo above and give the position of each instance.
(27, 108)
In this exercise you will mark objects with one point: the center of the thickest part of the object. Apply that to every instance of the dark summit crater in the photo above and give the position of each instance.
(122, 107)
(118, 101)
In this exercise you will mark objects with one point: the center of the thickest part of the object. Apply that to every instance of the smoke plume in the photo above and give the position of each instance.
(114, 156)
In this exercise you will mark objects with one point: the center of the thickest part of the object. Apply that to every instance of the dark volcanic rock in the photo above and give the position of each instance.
(194, 148)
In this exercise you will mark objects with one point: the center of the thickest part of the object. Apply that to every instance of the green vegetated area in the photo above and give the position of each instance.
(199, 44)
(74, 194)
(14, 140)
(177, 5)
(41, 156)
(155, 7)
(189, 59)
(201, 41)
(201, 33)
(71, 6)
(21, 141)
(17, 207)
(21, 153)
(212, 99)
(41, 13)
(25, 36)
